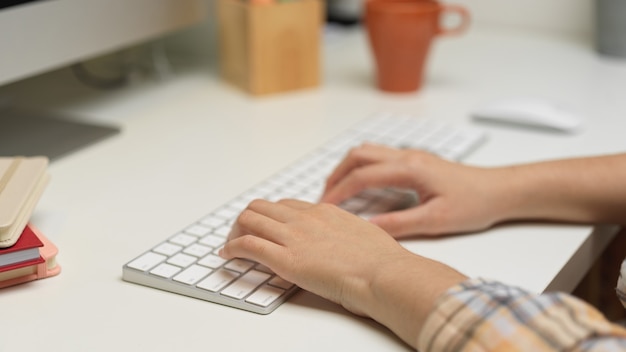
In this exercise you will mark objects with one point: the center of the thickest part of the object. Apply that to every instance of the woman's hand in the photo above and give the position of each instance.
(319, 247)
(453, 198)
(341, 257)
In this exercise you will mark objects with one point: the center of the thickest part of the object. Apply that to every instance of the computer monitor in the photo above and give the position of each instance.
(38, 36)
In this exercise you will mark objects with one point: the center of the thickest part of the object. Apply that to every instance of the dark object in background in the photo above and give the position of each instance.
(610, 26)
(345, 12)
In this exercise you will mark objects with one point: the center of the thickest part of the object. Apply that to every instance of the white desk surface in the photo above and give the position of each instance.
(192, 143)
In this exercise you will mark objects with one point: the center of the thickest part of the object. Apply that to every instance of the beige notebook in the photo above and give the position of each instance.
(22, 181)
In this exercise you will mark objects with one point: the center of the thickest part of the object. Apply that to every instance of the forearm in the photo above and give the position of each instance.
(589, 190)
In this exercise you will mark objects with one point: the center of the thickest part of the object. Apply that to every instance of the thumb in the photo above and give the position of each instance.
(418, 220)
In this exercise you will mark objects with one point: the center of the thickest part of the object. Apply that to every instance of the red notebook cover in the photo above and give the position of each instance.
(25, 249)
(45, 267)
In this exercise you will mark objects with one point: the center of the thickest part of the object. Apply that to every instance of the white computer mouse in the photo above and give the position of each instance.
(529, 112)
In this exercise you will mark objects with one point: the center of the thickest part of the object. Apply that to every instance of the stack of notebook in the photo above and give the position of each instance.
(25, 253)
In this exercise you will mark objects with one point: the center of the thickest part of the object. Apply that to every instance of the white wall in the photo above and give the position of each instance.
(562, 16)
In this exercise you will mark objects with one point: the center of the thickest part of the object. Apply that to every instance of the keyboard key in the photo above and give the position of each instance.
(355, 204)
(222, 231)
(238, 205)
(192, 274)
(183, 239)
(167, 248)
(212, 261)
(213, 221)
(239, 265)
(280, 282)
(265, 296)
(263, 268)
(182, 260)
(245, 284)
(198, 250)
(147, 261)
(165, 270)
(213, 240)
(227, 213)
(197, 230)
(218, 280)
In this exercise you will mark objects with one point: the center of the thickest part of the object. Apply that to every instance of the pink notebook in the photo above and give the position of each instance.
(47, 267)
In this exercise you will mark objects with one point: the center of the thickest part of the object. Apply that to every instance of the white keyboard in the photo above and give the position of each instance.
(187, 262)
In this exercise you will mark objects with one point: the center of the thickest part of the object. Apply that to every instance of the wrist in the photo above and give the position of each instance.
(403, 292)
(511, 197)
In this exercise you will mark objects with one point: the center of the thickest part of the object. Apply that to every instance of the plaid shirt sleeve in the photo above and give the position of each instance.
(483, 315)
(621, 284)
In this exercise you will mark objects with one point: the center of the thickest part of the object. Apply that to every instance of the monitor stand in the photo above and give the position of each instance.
(31, 133)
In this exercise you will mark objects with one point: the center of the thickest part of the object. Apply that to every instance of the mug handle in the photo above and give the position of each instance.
(463, 24)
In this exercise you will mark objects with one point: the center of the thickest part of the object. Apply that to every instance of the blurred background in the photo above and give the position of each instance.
(561, 17)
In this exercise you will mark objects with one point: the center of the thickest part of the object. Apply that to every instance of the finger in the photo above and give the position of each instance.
(258, 249)
(359, 156)
(381, 175)
(281, 211)
(296, 203)
(250, 221)
(408, 222)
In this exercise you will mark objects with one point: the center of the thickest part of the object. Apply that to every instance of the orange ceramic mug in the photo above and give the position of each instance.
(400, 34)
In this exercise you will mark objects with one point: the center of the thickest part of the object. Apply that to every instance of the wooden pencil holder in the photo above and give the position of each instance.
(271, 47)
